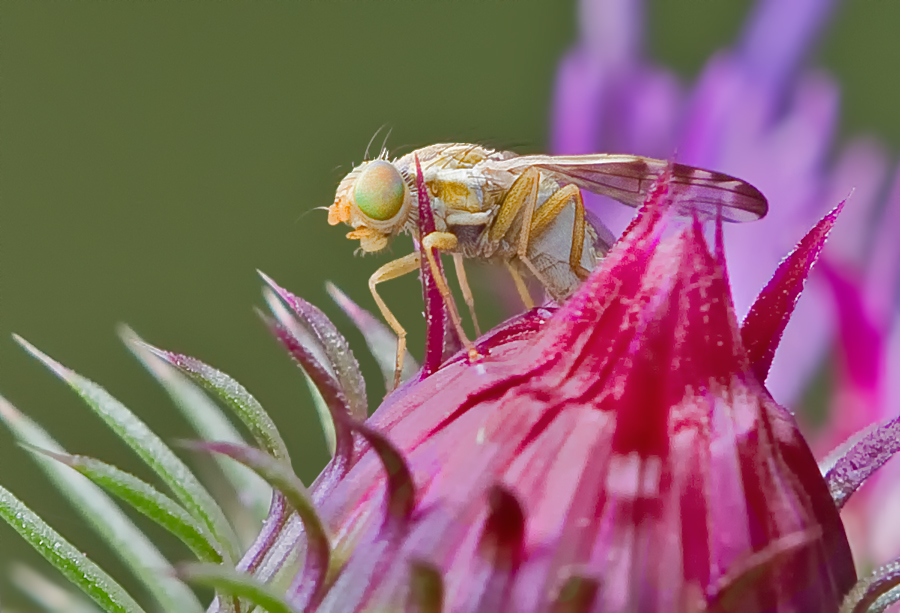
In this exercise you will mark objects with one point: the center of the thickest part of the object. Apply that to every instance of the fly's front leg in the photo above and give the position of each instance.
(550, 210)
(392, 270)
(447, 242)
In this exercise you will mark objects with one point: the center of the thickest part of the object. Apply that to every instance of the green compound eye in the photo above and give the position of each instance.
(379, 191)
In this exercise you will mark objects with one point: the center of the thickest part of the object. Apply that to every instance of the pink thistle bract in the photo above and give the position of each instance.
(618, 455)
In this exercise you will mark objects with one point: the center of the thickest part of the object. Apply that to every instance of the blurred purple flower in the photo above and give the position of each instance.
(758, 113)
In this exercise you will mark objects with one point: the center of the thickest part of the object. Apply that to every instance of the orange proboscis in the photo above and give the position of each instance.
(339, 212)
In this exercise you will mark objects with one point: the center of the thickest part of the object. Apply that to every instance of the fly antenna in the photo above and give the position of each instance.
(308, 211)
(366, 156)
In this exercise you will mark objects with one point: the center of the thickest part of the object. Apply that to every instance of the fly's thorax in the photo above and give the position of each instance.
(461, 193)
(460, 177)
(453, 155)
(456, 193)
(374, 199)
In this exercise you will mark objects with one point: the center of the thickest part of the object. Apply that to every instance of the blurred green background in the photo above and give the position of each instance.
(154, 154)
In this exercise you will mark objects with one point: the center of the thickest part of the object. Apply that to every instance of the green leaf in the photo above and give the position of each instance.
(317, 565)
(125, 539)
(311, 359)
(66, 558)
(235, 395)
(175, 473)
(339, 357)
(146, 499)
(328, 386)
(47, 594)
(229, 581)
(208, 421)
(324, 414)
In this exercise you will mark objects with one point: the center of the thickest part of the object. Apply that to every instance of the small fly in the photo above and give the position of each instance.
(523, 211)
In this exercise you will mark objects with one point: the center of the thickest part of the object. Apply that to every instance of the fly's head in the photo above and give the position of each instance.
(375, 200)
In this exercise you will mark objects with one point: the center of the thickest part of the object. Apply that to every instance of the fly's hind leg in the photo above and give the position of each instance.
(520, 286)
(553, 206)
(392, 270)
(446, 241)
(520, 200)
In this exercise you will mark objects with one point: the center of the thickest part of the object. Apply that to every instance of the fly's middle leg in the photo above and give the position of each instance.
(446, 241)
(466, 290)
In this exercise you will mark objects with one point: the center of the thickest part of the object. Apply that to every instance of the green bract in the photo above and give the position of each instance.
(379, 191)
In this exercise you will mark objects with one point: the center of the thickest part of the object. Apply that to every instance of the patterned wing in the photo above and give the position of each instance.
(627, 178)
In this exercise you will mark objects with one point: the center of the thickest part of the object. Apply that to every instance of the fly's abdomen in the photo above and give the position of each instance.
(550, 253)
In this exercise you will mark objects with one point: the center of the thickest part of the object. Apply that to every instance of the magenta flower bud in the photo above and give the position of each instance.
(619, 454)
